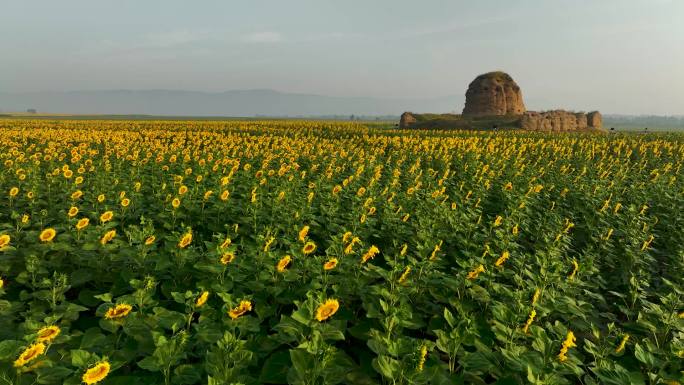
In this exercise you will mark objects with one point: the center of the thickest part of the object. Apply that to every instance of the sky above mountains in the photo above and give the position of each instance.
(618, 56)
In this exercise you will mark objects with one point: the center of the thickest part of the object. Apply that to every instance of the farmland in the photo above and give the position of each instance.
(311, 252)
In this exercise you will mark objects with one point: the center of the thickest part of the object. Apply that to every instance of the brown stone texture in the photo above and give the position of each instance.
(407, 119)
(560, 121)
(594, 119)
(493, 93)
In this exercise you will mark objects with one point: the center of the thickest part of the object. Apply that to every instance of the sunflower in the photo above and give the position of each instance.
(4, 240)
(371, 253)
(284, 263)
(47, 235)
(240, 310)
(208, 194)
(82, 223)
(125, 202)
(150, 240)
(309, 248)
(327, 309)
(2, 283)
(225, 195)
(330, 264)
(119, 311)
(499, 262)
(185, 240)
(182, 190)
(226, 243)
(303, 233)
(13, 191)
(567, 344)
(29, 354)
(101, 198)
(202, 299)
(227, 257)
(76, 194)
(109, 235)
(96, 373)
(48, 333)
(475, 272)
(25, 218)
(175, 203)
(106, 216)
(72, 211)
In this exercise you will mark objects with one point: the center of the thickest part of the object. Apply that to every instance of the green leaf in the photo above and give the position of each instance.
(149, 363)
(387, 366)
(81, 358)
(9, 349)
(274, 370)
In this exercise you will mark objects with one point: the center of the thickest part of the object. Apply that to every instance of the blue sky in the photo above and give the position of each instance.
(619, 56)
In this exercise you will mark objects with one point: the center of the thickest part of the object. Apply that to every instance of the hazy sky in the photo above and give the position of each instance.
(619, 56)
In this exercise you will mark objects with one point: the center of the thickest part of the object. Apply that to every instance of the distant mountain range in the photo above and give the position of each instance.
(243, 103)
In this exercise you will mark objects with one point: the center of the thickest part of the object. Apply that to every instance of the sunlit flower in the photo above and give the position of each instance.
(309, 247)
(327, 309)
(475, 272)
(226, 243)
(96, 373)
(119, 311)
(150, 240)
(106, 216)
(202, 299)
(47, 235)
(240, 310)
(72, 211)
(303, 233)
(175, 203)
(283, 263)
(535, 296)
(125, 202)
(622, 344)
(48, 333)
(503, 258)
(13, 192)
(227, 257)
(101, 198)
(371, 253)
(567, 344)
(422, 358)
(530, 319)
(29, 354)
(107, 237)
(404, 275)
(4, 240)
(185, 240)
(330, 264)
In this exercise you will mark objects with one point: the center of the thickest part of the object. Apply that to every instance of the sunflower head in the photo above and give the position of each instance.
(96, 373)
(4, 240)
(330, 264)
(202, 299)
(47, 235)
(106, 216)
(284, 263)
(29, 354)
(119, 311)
(48, 333)
(240, 310)
(309, 247)
(327, 309)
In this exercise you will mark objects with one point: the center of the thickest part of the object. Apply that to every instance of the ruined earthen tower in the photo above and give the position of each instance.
(493, 93)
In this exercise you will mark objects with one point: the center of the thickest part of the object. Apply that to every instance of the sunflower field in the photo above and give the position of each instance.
(302, 252)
